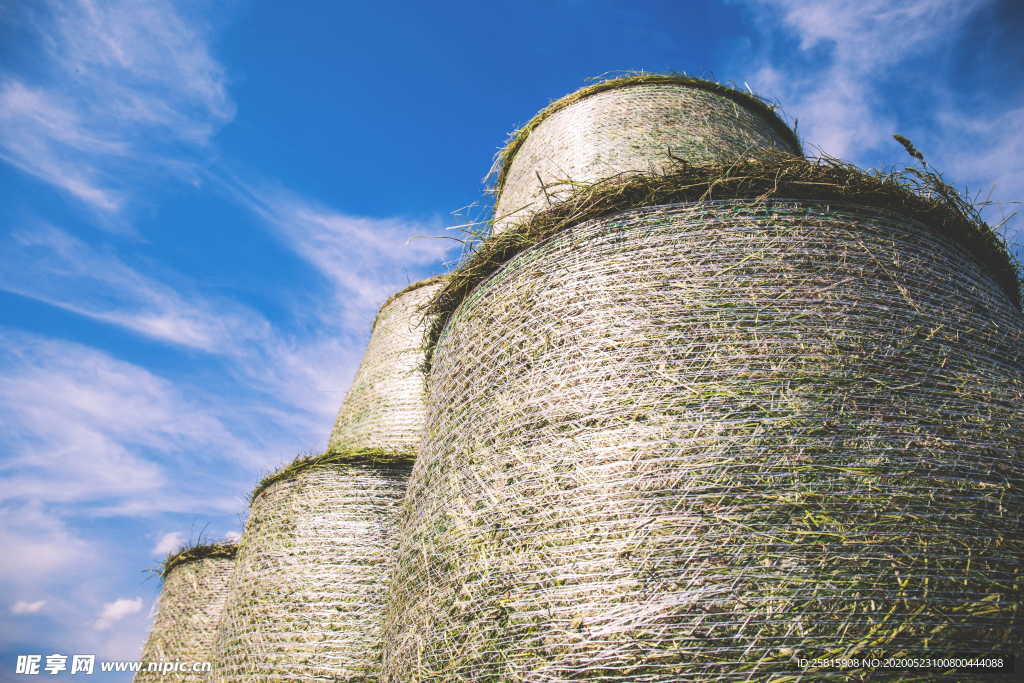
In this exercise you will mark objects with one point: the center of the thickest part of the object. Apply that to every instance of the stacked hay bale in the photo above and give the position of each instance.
(306, 603)
(384, 407)
(631, 124)
(699, 424)
(311, 570)
(195, 586)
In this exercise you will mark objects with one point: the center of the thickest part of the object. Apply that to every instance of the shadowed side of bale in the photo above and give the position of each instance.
(306, 600)
(696, 441)
(384, 407)
(633, 127)
(191, 602)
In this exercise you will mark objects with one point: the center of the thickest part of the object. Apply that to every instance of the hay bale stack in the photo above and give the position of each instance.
(627, 125)
(698, 440)
(384, 406)
(195, 586)
(306, 600)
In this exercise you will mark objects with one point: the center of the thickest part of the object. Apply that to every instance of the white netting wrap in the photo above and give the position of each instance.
(188, 611)
(630, 128)
(697, 441)
(307, 597)
(384, 407)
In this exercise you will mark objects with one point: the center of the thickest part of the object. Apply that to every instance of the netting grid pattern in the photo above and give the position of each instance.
(384, 407)
(629, 129)
(189, 609)
(307, 597)
(697, 441)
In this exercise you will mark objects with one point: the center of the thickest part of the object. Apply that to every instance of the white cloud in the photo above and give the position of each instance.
(233, 536)
(855, 62)
(169, 542)
(115, 611)
(836, 100)
(37, 545)
(82, 426)
(23, 607)
(50, 265)
(129, 86)
(365, 260)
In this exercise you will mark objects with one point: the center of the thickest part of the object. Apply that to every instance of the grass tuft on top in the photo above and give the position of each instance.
(917, 193)
(334, 458)
(503, 160)
(225, 550)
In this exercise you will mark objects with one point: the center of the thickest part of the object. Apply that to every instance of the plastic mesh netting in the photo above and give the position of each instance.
(384, 407)
(189, 609)
(697, 441)
(632, 127)
(306, 601)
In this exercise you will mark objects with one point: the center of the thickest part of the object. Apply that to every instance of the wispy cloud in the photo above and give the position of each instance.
(23, 607)
(37, 544)
(363, 259)
(117, 610)
(51, 265)
(855, 66)
(835, 95)
(126, 86)
(83, 427)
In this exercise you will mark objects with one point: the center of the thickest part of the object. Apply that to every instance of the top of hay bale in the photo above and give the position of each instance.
(377, 458)
(920, 195)
(405, 290)
(223, 550)
(503, 160)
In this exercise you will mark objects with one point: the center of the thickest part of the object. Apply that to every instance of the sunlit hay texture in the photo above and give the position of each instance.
(384, 406)
(195, 586)
(306, 601)
(695, 441)
(629, 124)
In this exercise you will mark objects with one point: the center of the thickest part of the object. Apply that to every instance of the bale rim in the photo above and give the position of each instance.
(795, 431)
(503, 159)
(766, 176)
(625, 125)
(384, 407)
(195, 586)
(311, 569)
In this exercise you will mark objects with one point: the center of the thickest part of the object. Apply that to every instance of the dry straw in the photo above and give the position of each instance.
(384, 407)
(306, 600)
(625, 125)
(697, 440)
(196, 582)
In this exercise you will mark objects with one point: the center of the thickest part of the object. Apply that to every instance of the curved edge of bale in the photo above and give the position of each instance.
(226, 550)
(336, 457)
(922, 196)
(405, 290)
(503, 159)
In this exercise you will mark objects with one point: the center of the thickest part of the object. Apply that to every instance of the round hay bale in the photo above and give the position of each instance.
(384, 406)
(701, 440)
(195, 586)
(633, 124)
(307, 596)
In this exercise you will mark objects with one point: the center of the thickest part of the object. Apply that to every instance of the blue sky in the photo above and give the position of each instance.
(202, 205)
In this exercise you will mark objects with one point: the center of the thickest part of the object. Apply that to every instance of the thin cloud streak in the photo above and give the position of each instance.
(84, 428)
(51, 265)
(363, 259)
(128, 88)
(843, 111)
